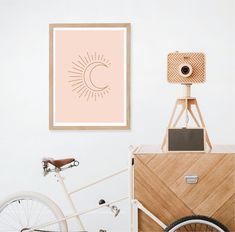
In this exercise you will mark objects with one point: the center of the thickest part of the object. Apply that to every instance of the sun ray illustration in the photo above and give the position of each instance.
(77, 83)
(86, 60)
(79, 66)
(78, 79)
(82, 82)
(88, 96)
(88, 57)
(77, 69)
(77, 88)
(75, 72)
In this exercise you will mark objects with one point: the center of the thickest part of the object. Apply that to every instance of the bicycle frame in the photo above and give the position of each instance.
(134, 204)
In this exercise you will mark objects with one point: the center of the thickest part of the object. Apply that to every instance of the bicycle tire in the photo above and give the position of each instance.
(25, 210)
(198, 223)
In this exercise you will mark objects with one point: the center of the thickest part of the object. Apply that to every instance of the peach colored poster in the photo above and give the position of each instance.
(89, 76)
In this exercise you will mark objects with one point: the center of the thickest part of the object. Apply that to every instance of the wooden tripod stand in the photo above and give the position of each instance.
(186, 103)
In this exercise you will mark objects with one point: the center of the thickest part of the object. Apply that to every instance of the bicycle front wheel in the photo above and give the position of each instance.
(23, 211)
(196, 223)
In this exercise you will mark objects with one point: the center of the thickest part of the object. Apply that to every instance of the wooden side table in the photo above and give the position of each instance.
(162, 185)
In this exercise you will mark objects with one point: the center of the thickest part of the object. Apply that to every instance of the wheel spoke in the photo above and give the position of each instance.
(14, 207)
(27, 212)
(38, 216)
(9, 220)
(8, 225)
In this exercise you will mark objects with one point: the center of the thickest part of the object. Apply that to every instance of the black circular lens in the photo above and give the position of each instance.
(185, 70)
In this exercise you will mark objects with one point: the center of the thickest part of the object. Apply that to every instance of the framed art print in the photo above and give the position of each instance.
(89, 76)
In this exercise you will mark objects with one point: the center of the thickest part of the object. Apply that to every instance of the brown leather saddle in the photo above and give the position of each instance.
(58, 163)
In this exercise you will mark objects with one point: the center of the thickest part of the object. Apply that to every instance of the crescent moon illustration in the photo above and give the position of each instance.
(88, 78)
(81, 74)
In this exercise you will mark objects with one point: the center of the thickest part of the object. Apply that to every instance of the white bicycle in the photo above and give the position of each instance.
(34, 212)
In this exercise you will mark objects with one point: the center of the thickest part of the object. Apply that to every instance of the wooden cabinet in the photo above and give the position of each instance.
(160, 185)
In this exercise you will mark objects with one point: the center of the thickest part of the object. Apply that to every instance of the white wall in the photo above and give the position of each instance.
(158, 27)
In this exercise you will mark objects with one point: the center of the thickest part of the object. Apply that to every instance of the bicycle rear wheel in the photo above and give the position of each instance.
(196, 223)
(23, 211)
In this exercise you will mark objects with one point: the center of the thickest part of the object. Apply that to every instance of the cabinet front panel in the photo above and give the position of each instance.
(161, 186)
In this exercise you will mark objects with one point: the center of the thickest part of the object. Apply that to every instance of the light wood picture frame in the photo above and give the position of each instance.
(89, 76)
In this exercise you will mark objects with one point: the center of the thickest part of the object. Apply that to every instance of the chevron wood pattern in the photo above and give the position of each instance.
(196, 60)
(159, 184)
